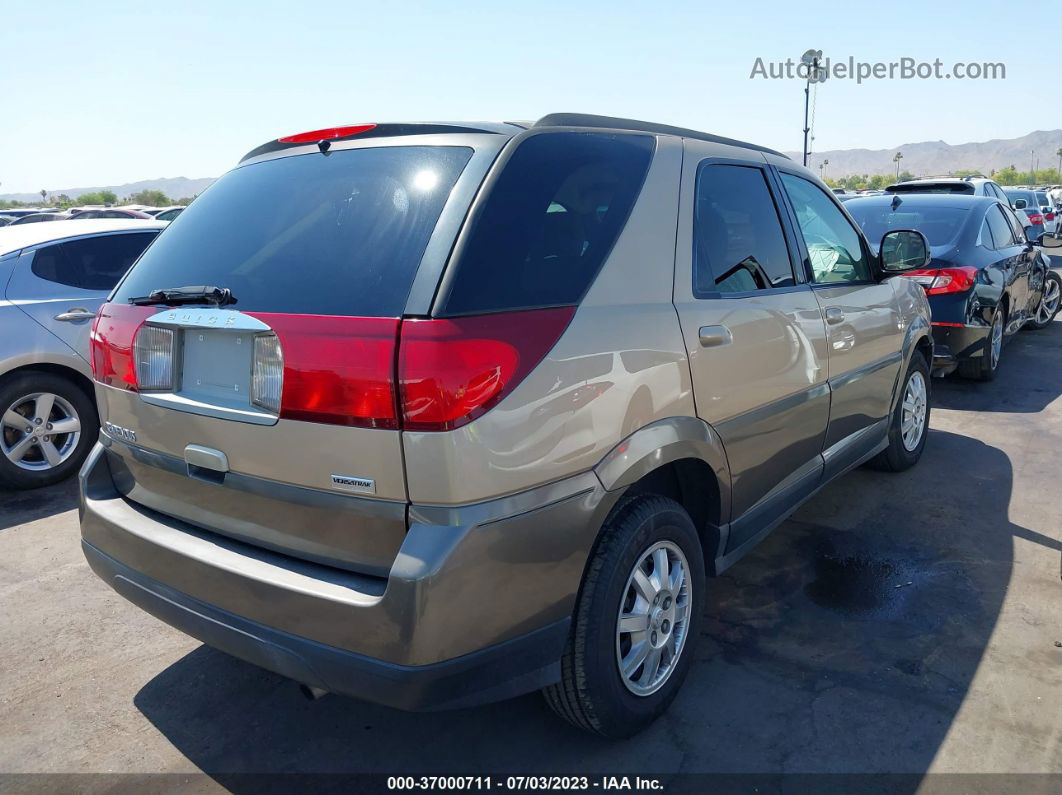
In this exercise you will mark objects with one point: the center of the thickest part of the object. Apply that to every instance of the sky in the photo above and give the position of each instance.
(108, 93)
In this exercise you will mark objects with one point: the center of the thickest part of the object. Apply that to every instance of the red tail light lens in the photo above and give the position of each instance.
(111, 343)
(939, 281)
(1036, 218)
(327, 134)
(453, 370)
(1049, 216)
(337, 370)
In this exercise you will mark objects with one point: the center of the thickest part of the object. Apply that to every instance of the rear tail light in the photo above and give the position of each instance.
(432, 374)
(1049, 216)
(940, 281)
(1036, 218)
(153, 351)
(111, 343)
(453, 370)
(337, 370)
(267, 373)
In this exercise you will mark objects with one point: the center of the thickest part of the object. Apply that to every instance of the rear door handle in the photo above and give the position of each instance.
(75, 314)
(714, 336)
(834, 315)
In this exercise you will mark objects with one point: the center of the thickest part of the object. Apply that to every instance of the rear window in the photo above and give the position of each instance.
(940, 225)
(934, 187)
(549, 222)
(335, 234)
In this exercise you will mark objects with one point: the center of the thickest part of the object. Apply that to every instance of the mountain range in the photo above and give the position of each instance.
(921, 159)
(938, 158)
(174, 187)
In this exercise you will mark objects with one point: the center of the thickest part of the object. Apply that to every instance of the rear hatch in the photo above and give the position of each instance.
(266, 409)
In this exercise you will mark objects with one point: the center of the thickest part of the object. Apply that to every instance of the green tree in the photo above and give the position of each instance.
(151, 198)
(1007, 176)
(905, 175)
(185, 201)
(98, 197)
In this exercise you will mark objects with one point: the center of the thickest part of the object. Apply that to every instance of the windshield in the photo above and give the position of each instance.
(940, 225)
(335, 234)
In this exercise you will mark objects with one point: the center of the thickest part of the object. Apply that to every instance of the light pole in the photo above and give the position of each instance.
(1032, 168)
(896, 159)
(1059, 153)
(812, 62)
(822, 169)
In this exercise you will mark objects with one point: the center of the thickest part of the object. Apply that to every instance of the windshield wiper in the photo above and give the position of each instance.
(175, 296)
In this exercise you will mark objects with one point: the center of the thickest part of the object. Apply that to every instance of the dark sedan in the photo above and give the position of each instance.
(985, 281)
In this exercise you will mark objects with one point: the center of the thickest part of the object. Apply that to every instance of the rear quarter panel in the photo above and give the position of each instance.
(620, 365)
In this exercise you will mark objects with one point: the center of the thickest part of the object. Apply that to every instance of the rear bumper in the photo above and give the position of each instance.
(508, 669)
(951, 344)
(476, 606)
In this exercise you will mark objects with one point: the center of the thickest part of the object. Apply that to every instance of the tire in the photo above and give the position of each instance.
(592, 693)
(915, 402)
(985, 367)
(25, 465)
(1050, 302)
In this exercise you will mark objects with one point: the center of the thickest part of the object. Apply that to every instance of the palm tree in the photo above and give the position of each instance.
(44, 194)
(896, 159)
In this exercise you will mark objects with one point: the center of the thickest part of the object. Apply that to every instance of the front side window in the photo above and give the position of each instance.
(738, 243)
(833, 244)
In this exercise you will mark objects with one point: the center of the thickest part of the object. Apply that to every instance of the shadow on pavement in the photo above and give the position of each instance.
(20, 507)
(1029, 377)
(845, 643)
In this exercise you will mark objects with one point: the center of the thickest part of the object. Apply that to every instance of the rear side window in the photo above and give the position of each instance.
(92, 263)
(1002, 234)
(548, 223)
(319, 234)
(738, 241)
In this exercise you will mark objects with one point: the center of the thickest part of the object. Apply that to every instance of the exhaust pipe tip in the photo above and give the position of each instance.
(312, 693)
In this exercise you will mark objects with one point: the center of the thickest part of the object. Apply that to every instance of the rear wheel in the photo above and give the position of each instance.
(1050, 302)
(909, 426)
(47, 427)
(984, 367)
(636, 621)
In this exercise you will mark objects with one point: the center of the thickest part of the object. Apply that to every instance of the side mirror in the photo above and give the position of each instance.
(903, 250)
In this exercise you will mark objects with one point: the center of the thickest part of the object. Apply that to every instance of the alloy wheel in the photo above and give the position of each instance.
(997, 339)
(39, 431)
(653, 619)
(1048, 302)
(914, 409)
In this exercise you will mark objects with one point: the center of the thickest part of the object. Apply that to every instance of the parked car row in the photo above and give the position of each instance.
(17, 217)
(467, 411)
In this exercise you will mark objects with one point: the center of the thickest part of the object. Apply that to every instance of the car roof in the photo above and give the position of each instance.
(510, 128)
(15, 238)
(961, 200)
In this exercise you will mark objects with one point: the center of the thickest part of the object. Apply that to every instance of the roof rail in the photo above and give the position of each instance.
(614, 123)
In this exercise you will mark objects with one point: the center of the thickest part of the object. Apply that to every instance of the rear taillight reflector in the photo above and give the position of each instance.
(111, 343)
(940, 281)
(453, 370)
(267, 373)
(1049, 216)
(327, 134)
(1036, 219)
(337, 370)
(153, 352)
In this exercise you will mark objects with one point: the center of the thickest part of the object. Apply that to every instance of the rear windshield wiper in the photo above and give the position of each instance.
(174, 296)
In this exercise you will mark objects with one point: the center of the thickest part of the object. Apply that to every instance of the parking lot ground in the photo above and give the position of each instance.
(897, 623)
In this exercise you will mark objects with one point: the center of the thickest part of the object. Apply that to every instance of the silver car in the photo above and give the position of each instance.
(53, 278)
